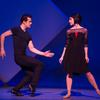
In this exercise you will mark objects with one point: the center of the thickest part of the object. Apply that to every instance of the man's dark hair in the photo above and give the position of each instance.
(24, 17)
(77, 18)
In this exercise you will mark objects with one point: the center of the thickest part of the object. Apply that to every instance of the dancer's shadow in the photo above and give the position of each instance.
(27, 92)
(76, 93)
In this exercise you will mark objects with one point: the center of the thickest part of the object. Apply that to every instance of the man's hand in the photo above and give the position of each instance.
(2, 40)
(48, 54)
(2, 53)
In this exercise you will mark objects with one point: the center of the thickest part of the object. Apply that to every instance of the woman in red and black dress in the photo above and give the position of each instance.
(75, 54)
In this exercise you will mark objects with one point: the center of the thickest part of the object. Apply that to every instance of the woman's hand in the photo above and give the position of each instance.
(87, 59)
(60, 60)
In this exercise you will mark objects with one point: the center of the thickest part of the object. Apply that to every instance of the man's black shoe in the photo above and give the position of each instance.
(16, 92)
(32, 88)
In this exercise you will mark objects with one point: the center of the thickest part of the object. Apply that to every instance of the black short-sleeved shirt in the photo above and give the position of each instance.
(20, 41)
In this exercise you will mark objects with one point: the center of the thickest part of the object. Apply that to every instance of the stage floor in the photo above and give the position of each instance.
(49, 94)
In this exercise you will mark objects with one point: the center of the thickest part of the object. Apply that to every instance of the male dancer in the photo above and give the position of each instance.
(22, 40)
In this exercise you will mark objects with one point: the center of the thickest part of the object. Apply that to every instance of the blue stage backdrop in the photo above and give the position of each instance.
(50, 22)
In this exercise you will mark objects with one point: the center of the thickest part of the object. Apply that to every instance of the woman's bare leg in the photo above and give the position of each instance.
(93, 82)
(69, 85)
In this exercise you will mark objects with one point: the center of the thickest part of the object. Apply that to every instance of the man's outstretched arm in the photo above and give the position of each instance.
(36, 51)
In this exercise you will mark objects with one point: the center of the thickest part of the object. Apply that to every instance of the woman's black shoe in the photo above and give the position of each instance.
(16, 92)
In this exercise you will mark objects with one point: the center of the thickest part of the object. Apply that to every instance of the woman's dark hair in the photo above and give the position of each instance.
(24, 17)
(77, 18)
